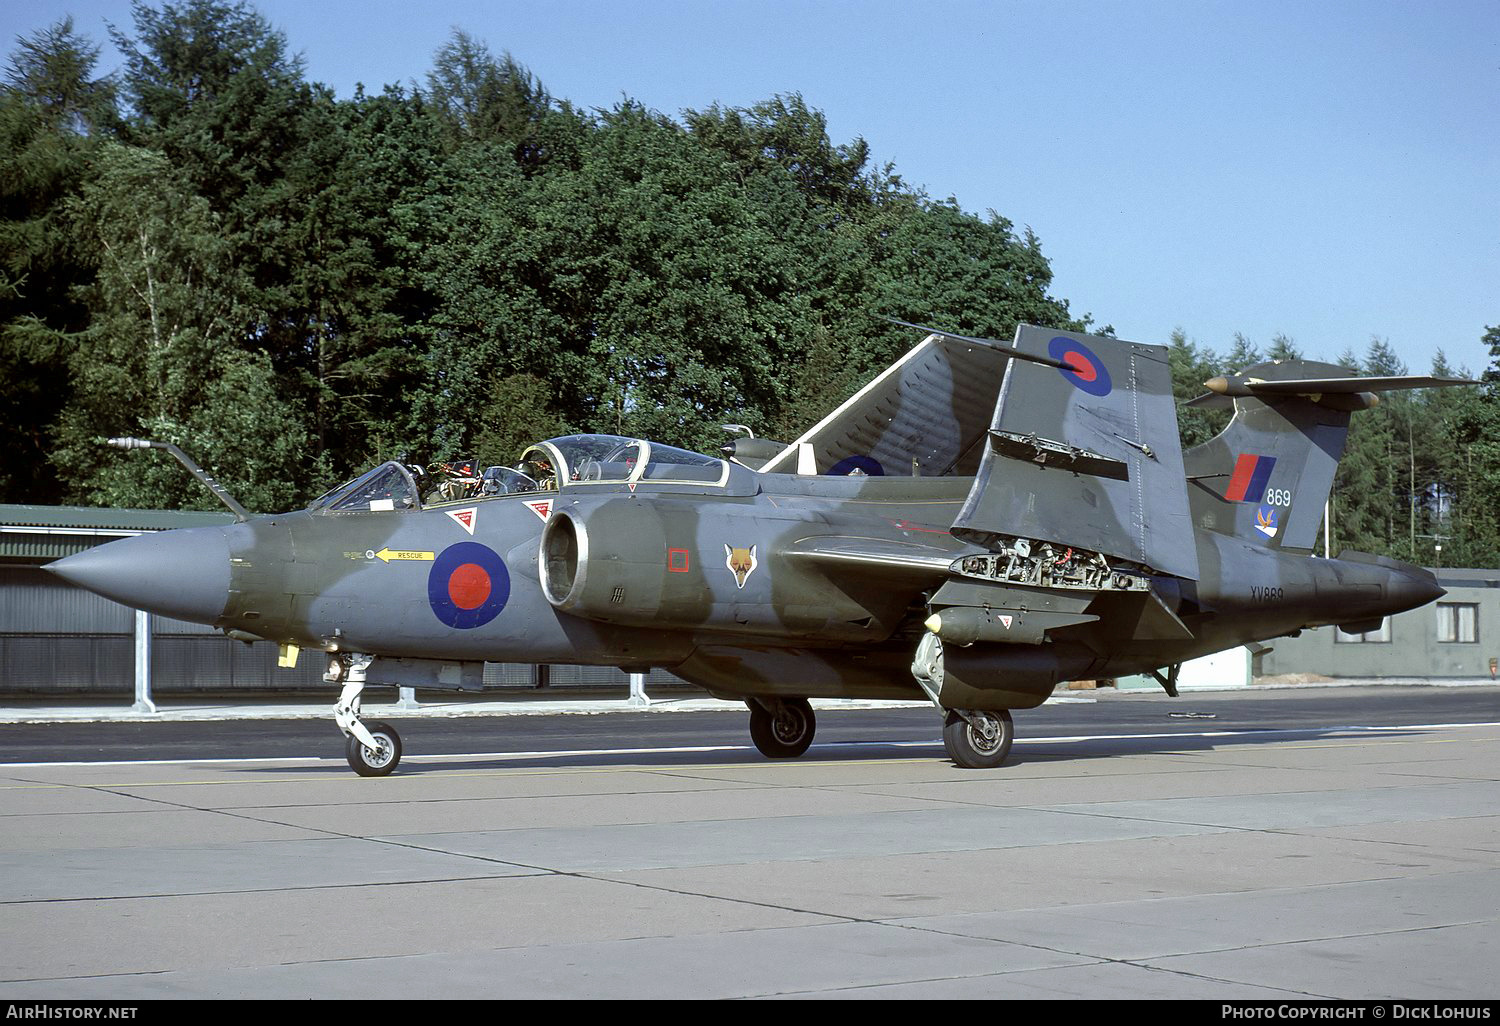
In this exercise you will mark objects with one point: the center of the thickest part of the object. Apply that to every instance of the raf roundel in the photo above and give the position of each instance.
(1086, 371)
(867, 465)
(468, 585)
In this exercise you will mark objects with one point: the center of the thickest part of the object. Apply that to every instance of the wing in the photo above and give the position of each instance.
(1087, 456)
(926, 414)
(877, 560)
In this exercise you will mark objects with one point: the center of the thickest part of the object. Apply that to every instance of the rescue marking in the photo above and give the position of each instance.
(741, 563)
(468, 585)
(677, 561)
(1087, 372)
(465, 518)
(541, 507)
(386, 555)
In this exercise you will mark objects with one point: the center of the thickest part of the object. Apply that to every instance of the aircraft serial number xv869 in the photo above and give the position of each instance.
(979, 523)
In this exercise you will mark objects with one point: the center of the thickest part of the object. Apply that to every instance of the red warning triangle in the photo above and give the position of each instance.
(465, 518)
(541, 507)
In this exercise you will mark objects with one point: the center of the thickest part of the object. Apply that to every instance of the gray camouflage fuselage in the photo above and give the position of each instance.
(662, 591)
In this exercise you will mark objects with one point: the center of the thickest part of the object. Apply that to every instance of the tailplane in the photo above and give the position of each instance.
(1267, 476)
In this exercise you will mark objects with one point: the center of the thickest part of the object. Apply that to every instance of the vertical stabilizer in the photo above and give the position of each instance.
(1266, 477)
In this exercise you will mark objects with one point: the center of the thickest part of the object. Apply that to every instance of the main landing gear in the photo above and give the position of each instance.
(782, 728)
(975, 739)
(373, 749)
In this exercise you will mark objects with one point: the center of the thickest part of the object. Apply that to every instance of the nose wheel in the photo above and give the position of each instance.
(373, 749)
(377, 761)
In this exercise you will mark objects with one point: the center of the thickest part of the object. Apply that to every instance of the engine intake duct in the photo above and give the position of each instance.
(608, 567)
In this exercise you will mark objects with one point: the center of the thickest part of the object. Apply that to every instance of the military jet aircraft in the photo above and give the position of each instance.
(982, 521)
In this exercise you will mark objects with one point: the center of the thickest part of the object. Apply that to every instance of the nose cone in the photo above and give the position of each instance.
(1415, 588)
(182, 574)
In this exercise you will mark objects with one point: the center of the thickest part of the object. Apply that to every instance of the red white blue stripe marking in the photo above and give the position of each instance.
(1251, 475)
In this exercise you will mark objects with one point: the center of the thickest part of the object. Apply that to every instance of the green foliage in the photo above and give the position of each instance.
(215, 252)
(520, 411)
(1191, 366)
(52, 71)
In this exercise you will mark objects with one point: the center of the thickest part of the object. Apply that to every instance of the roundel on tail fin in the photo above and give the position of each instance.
(1087, 371)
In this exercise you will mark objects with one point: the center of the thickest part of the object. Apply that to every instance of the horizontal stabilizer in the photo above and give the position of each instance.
(1246, 385)
(1266, 476)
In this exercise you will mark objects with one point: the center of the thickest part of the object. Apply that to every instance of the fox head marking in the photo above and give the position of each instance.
(741, 562)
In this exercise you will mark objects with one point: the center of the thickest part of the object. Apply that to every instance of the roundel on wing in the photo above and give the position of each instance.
(468, 585)
(1086, 370)
(867, 465)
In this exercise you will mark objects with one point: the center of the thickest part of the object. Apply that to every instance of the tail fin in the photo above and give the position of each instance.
(1267, 476)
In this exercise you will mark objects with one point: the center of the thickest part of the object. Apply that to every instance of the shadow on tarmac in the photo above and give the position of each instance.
(1032, 751)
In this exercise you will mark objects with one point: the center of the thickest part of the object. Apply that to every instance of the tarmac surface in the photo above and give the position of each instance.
(1337, 860)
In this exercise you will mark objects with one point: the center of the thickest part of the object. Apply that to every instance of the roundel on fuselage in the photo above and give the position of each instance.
(468, 585)
(1086, 371)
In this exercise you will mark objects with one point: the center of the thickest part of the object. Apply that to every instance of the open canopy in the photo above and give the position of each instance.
(593, 459)
(563, 462)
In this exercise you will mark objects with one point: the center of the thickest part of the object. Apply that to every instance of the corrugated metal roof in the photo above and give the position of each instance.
(39, 534)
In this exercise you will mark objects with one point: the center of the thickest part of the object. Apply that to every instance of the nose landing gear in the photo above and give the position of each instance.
(373, 749)
(377, 761)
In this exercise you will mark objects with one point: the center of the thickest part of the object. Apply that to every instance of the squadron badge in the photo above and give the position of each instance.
(741, 563)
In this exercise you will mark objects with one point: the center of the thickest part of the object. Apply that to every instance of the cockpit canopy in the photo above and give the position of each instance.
(591, 459)
(388, 487)
(545, 467)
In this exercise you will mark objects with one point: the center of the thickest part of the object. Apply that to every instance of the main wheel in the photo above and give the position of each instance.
(984, 746)
(379, 762)
(786, 733)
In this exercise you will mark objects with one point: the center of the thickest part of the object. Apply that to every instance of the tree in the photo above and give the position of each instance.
(53, 70)
(1242, 353)
(520, 411)
(48, 107)
(1283, 349)
(1472, 467)
(1191, 366)
(784, 133)
(161, 353)
(478, 97)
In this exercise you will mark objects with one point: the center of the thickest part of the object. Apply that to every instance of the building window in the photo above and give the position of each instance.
(1383, 633)
(1458, 622)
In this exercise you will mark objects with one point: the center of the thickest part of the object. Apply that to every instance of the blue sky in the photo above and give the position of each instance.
(1328, 171)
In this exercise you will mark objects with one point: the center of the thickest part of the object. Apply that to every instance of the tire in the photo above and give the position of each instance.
(785, 734)
(974, 749)
(373, 764)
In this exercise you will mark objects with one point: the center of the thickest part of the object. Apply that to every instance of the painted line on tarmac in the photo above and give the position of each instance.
(828, 746)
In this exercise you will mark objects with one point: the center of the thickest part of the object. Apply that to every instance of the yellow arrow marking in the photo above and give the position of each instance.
(389, 554)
